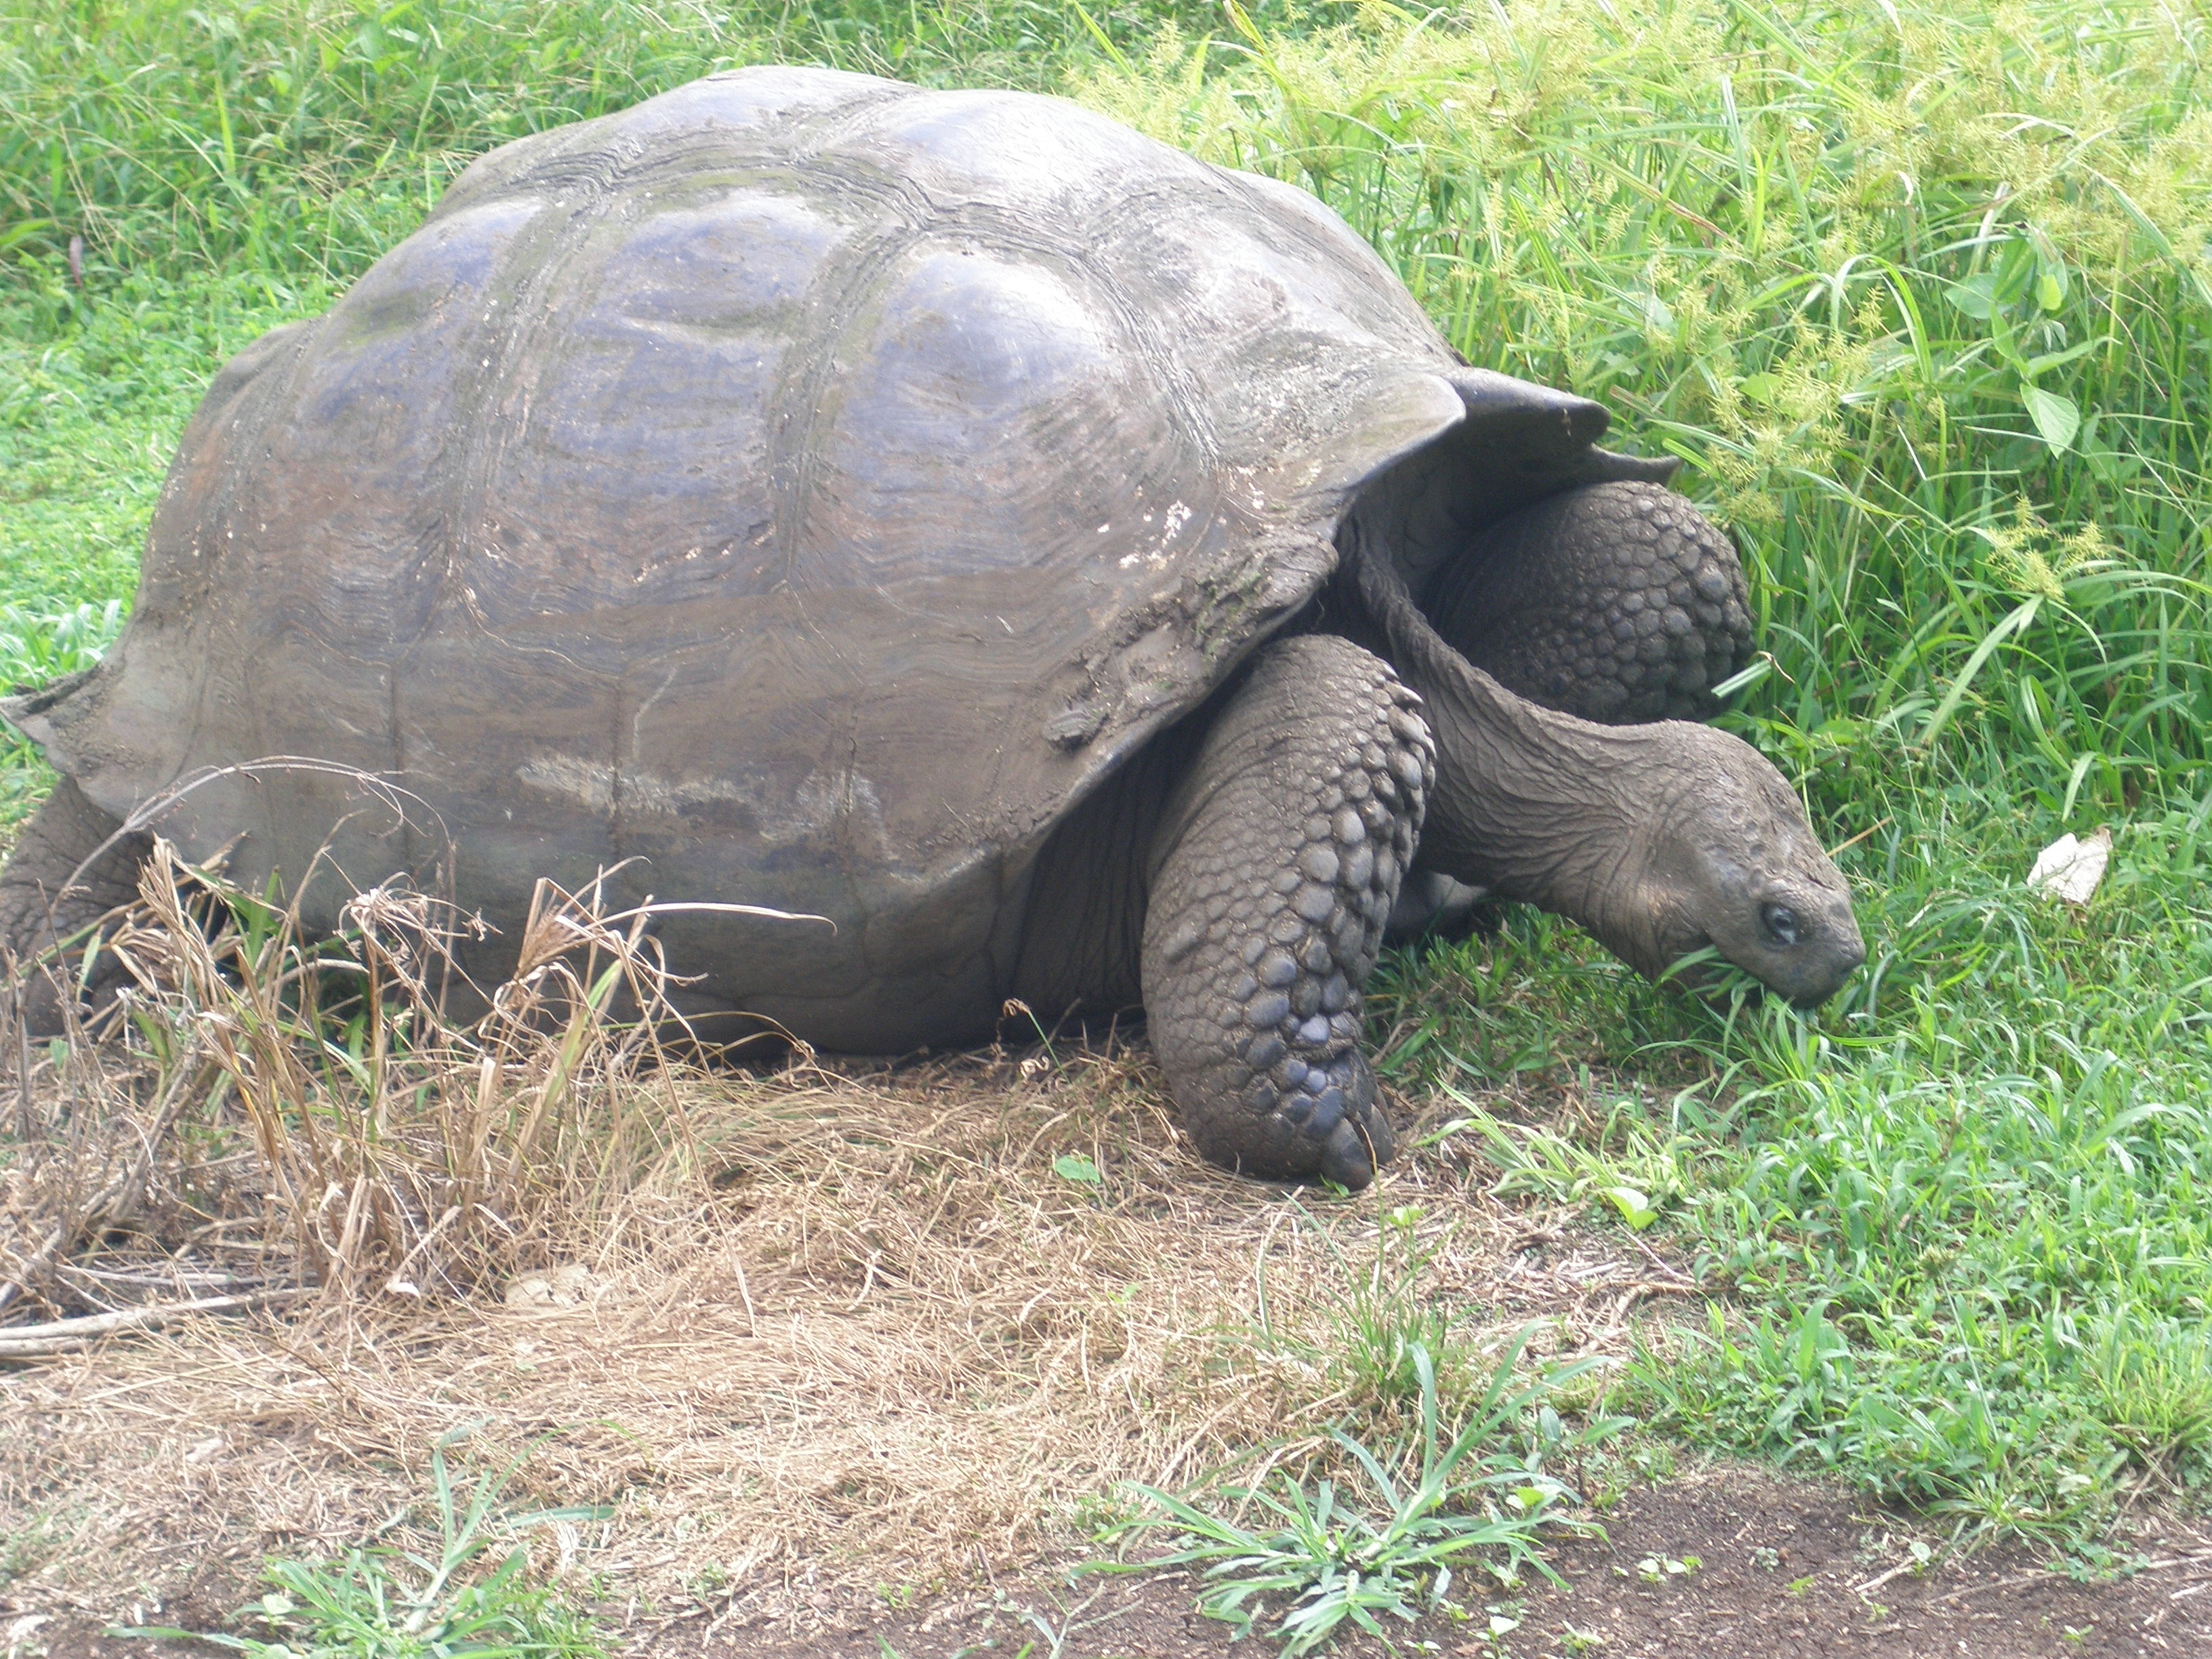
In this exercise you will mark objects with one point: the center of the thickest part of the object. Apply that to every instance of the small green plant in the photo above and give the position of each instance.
(1321, 1562)
(1496, 1627)
(1658, 1569)
(26, 1548)
(1054, 1633)
(1385, 1321)
(1078, 1169)
(1378, 1321)
(382, 1601)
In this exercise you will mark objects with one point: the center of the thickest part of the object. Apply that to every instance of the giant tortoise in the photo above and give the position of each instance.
(1079, 573)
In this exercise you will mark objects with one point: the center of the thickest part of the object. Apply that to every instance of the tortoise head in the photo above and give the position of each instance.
(1662, 839)
(1713, 850)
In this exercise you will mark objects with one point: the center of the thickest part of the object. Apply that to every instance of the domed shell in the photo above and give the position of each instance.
(805, 485)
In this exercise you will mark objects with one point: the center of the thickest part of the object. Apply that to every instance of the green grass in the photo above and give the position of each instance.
(1321, 1564)
(1924, 297)
(1964, 1220)
(90, 408)
(382, 1600)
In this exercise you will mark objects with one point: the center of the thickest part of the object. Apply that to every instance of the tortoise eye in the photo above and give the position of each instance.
(1781, 923)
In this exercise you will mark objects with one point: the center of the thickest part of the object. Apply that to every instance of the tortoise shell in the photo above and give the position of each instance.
(804, 486)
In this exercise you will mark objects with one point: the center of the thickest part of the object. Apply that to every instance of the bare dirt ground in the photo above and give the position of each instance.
(855, 1381)
(1725, 1563)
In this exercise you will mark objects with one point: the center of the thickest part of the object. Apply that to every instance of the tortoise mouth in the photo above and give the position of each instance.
(1806, 974)
(1687, 962)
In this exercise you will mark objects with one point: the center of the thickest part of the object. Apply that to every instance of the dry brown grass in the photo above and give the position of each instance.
(802, 1333)
(386, 1146)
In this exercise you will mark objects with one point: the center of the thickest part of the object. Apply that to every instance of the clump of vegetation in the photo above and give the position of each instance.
(1922, 297)
(396, 1148)
(1317, 1562)
(386, 1602)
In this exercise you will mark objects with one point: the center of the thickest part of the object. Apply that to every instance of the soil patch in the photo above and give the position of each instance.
(1725, 1563)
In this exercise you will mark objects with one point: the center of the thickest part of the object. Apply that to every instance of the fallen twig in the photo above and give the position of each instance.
(1683, 1279)
(1867, 1589)
(67, 1335)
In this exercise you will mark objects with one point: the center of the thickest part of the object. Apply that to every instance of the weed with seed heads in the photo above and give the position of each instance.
(397, 1151)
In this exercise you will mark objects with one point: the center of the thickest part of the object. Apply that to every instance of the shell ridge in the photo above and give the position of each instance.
(805, 398)
(539, 258)
(1185, 399)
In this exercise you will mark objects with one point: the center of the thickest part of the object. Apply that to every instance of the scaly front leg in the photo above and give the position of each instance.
(1274, 868)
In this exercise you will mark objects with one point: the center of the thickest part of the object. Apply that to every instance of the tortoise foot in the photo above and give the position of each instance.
(1333, 1108)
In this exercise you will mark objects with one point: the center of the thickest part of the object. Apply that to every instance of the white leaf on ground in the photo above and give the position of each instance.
(2070, 869)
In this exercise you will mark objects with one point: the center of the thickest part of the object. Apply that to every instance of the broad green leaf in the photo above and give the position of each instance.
(2016, 275)
(2051, 360)
(1976, 296)
(1635, 1207)
(2057, 418)
(2051, 284)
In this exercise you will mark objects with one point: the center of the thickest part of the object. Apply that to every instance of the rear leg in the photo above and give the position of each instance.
(1273, 869)
(72, 865)
(1432, 905)
(1617, 602)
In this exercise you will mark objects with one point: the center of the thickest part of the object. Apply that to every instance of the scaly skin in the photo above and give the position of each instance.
(1275, 868)
(49, 892)
(1618, 603)
(1659, 838)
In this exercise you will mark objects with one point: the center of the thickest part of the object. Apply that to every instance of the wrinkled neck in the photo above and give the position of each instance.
(1535, 804)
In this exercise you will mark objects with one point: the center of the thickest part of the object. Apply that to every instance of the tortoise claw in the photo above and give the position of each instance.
(1345, 1160)
(1355, 1147)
